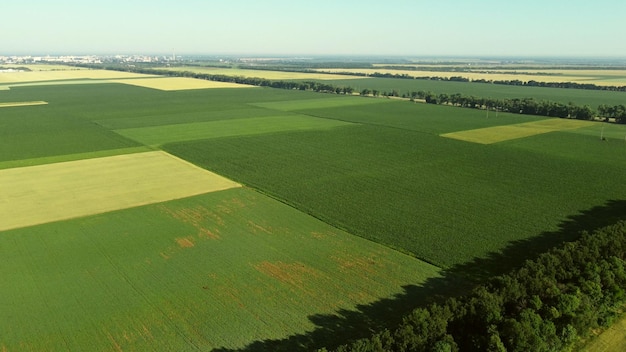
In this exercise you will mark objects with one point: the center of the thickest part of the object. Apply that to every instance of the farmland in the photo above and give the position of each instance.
(351, 210)
(181, 275)
(606, 77)
(487, 90)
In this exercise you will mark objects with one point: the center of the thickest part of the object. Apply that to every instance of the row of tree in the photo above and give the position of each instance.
(514, 82)
(548, 304)
(527, 106)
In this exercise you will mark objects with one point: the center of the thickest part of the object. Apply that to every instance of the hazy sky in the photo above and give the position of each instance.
(316, 27)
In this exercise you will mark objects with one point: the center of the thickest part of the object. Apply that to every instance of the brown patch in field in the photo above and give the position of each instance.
(115, 344)
(230, 294)
(256, 228)
(294, 274)
(185, 242)
(318, 235)
(164, 256)
(348, 263)
(147, 334)
(196, 217)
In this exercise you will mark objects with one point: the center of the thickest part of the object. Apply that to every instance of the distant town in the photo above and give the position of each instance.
(86, 59)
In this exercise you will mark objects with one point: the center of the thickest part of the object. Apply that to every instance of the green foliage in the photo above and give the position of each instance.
(491, 319)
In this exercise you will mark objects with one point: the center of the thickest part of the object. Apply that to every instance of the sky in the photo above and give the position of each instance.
(471, 28)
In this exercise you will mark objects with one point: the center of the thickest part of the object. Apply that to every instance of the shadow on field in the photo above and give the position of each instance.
(345, 325)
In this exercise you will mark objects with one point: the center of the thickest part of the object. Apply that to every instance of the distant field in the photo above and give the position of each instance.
(178, 83)
(487, 90)
(507, 132)
(275, 75)
(597, 77)
(291, 105)
(60, 75)
(40, 194)
(219, 270)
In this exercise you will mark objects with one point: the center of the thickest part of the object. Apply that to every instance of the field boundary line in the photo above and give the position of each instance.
(22, 103)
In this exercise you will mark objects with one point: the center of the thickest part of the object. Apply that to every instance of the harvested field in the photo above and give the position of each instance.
(179, 83)
(45, 193)
(22, 103)
(497, 134)
(61, 75)
(471, 75)
(267, 74)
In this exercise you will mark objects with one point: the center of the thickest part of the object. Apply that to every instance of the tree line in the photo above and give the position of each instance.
(548, 304)
(514, 82)
(527, 106)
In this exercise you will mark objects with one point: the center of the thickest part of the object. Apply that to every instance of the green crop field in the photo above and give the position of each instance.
(394, 180)
(274, 265)
(158, 135)
(217, 270)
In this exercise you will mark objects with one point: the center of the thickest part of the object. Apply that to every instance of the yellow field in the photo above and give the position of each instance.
(179, 83)
(597, 77)
(496, 76)
(58, 75)
(613, 339)
(44, 193)
(497, 134)
(22, 103)
(273, 75)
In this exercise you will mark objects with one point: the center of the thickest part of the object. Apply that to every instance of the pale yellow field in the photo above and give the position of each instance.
(45, 193)
(58, 75)
(497, 134)
(470, 75)
(179, 83)
(613, 339)
(22, 103)
(274, 75)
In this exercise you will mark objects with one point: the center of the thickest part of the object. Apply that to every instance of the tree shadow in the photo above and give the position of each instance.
(333, 330)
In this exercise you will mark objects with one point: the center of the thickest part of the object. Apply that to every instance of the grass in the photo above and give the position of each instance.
(220, 270)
